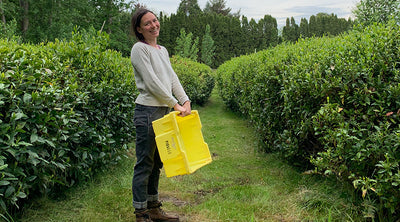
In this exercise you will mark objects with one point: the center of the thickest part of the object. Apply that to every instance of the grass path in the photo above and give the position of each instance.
(239, 185)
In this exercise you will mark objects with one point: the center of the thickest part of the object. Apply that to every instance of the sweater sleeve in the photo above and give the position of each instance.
(140, 58)
(177, 88)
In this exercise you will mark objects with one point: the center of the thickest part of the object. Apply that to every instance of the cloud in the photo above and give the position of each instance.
(307, 11)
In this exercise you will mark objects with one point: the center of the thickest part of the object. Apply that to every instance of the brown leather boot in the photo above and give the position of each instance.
(157, 214)
(142, 216)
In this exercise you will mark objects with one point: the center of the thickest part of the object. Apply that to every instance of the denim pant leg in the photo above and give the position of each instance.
(147, 168)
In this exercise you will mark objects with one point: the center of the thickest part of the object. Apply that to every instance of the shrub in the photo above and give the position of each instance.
(333, 101)
(66, 111)
(196, 79)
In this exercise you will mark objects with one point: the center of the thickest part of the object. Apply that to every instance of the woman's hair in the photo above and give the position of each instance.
(136, 19)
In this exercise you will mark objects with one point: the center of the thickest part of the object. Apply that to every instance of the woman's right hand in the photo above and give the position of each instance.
(182, 110)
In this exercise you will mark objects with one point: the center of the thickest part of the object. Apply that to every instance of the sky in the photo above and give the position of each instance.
(279, 9)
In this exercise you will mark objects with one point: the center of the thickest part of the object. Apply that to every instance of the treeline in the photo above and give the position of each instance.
(38, 21)
(43, 20)
(234, 37)
(317, 26)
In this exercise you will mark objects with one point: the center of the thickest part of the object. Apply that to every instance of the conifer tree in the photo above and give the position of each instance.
(291, 30)
(184, 46)
(312, 26)
(207, 47)
(304, 30)
(189, 7)
(217, 6)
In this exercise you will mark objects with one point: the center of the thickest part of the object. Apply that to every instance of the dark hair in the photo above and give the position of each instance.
(136, 19)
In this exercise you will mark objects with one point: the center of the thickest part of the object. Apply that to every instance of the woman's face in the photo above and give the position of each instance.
(149, 26)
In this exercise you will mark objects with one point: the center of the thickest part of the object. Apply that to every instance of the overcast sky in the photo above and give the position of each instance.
(279, 9)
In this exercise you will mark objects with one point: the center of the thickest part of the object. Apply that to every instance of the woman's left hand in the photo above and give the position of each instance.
(184, 110)
(188, 108)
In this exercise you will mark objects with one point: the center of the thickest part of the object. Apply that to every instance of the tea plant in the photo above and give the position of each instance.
(197, 79)
(333, 101)
(65, 112)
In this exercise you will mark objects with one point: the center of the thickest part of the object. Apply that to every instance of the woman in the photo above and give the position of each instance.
(160, 90)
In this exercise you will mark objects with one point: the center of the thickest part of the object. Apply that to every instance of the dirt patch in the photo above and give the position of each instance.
(242, 181)
(175, 201)
(203, 193)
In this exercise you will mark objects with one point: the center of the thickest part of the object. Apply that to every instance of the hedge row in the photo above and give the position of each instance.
(66, 112)
(329, 103)
(196, 78)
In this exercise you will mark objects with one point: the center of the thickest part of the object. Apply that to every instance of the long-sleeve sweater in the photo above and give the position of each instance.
(155, 79)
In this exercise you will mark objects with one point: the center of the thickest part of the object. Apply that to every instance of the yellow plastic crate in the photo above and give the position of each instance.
(180, 143)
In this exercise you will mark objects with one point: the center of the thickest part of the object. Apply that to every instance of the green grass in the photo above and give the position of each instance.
(240, 184)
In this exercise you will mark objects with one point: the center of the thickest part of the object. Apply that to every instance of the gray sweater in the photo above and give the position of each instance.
(155, 79)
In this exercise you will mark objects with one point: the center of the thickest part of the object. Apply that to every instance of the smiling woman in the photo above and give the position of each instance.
(147, 28)
(150, 29)
(160, 90)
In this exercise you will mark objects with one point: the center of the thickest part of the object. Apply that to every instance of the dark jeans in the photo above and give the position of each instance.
(148, 166)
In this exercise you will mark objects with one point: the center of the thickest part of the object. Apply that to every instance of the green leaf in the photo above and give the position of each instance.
(34, 161)
(4, 182)
(21, 195)
(31, 178)
(34, 137)
(10, 190)
(3, 205)
(33, 158)
(17, 116)
(2, 167)
(61, 153)
(24, 143)
(50, 143)
(59, 165)
(32, 154)
(11, 151)
(27, 98)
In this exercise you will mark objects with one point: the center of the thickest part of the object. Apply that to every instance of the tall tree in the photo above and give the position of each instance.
(312, 26)
(25, 11)
(113, 17)
(217, 6)
(3, 17)
(45, 20)
(207, 47)
(269, 28)
(254, 35)
(296, 31)
(291, 30)
(304, 29)
(189, 7)
(9, 27)
(245, 33)
(48, 20)
(184, 46)
(324, 24)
